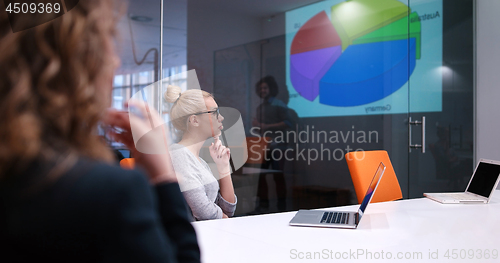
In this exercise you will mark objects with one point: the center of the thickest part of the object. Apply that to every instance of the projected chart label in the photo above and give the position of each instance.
(396, 31)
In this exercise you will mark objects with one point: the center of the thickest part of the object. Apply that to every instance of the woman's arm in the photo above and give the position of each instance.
(148, 225)
(226, 187)
(197, 185)
(201, 205)
(221, 156)
(153, 157)
(175, 219)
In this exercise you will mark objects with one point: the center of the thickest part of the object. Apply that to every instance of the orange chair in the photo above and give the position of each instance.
(257, 147)
(362, 167)
(127, 163)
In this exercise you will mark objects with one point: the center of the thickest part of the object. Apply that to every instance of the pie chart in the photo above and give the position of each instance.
(363, 52)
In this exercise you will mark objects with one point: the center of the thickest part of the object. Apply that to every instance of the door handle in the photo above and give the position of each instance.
(416, 146)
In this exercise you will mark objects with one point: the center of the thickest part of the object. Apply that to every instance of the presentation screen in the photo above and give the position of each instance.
(365, 57)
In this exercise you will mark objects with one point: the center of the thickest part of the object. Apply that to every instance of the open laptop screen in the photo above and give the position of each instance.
(371, 188)
(484, 179)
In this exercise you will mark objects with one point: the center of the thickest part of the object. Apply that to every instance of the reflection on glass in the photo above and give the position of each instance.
(347, 68)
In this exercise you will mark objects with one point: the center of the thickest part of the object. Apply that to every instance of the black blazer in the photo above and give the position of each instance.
(93, 213)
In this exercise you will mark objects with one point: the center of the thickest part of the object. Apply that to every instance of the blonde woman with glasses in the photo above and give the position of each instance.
(195, 114)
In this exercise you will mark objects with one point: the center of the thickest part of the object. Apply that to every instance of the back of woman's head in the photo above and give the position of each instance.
(51, 79)
(185, 104)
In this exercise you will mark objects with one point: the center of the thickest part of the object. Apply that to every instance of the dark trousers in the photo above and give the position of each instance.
(279, 180)
(263, 190)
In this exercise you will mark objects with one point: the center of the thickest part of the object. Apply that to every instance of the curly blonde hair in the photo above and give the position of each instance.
(49, 100)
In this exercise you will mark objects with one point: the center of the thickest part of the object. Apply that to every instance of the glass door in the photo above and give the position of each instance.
(443, 98)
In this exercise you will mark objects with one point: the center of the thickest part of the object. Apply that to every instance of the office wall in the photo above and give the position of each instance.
(211, 29)
(487, 80)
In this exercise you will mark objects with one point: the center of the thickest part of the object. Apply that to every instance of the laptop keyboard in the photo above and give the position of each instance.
(465, 197)
(335, 218)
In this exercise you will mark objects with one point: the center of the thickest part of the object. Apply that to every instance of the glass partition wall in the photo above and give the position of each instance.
(145, 57)
(314, 80)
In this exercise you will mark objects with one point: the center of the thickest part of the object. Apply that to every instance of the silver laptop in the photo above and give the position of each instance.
(339, 219)
(480, 188)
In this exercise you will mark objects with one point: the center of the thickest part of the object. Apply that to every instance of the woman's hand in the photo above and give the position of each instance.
(149, 149)
(220, 154)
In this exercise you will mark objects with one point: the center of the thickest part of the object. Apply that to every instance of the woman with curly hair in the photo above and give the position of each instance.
(61, 197)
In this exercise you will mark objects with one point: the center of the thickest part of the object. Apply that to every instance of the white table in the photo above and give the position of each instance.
(417, 230)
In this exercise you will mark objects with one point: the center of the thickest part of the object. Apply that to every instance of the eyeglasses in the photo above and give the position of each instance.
(216, 111)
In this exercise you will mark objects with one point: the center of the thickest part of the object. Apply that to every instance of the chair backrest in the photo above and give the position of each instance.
(257, 147)
(362, 166)
(127, 163)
